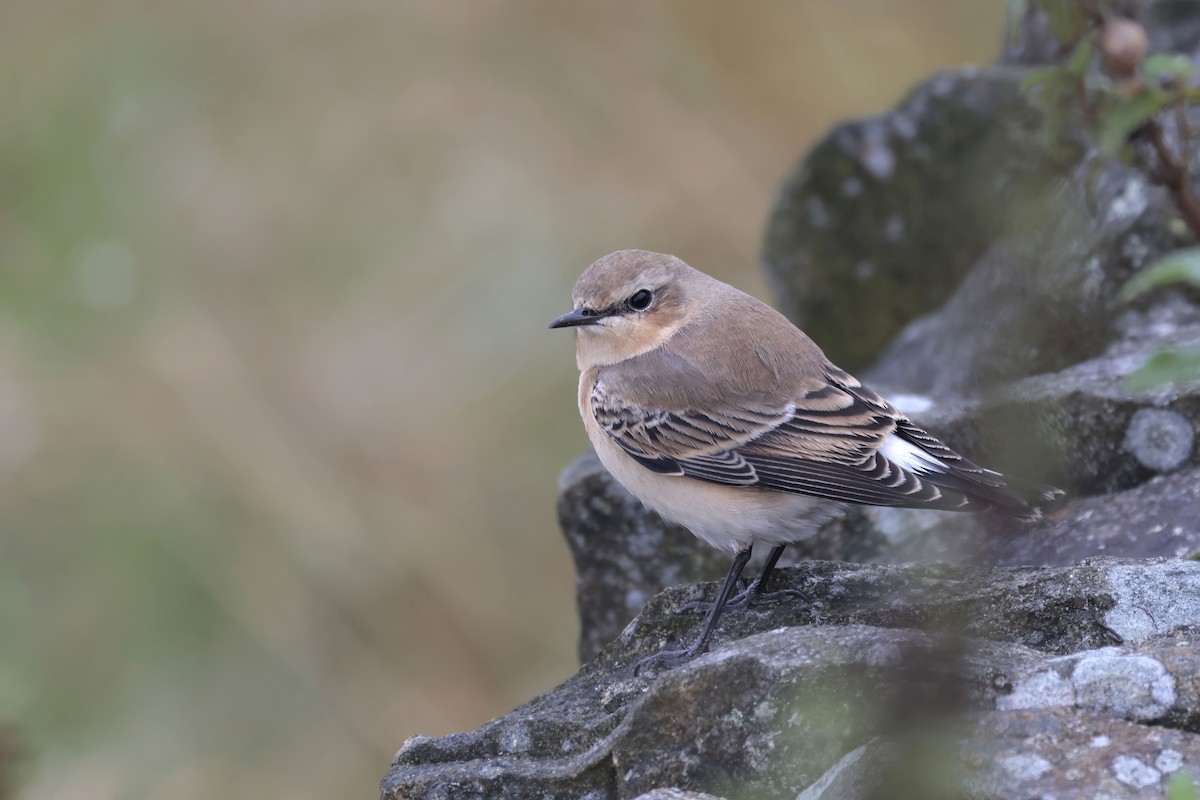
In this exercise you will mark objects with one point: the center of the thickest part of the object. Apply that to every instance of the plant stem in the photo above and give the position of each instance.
(1174, 176)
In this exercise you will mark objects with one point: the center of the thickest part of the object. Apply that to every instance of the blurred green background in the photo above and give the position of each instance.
(280, 419)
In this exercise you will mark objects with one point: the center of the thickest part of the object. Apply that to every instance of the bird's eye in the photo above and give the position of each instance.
(641, 300)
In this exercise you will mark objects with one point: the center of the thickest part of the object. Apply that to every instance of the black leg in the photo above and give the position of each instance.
(754, 590)
(753, 594)
(673, 658)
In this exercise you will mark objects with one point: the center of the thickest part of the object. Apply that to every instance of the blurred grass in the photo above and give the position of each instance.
(280, 421)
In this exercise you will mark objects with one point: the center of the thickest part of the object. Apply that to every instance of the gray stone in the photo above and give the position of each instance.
(768, 719)
(1052, 610)
(1179, 654)
(1132, 686)
(1017, 755)
(852, 776)
(1158, 518)
(676, 794)
(1159, 439)
(1072, 428)
(890, 213)
(1044, 295)
(993, 253)
(1027, 37)
(874, 657)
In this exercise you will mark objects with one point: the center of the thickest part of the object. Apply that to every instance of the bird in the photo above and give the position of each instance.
(718, 413)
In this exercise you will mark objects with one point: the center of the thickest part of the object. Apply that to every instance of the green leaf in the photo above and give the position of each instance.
(1180, 365)
(1043, 76)
(1125, 117)
(1080, 59)
(1180, 786)
(1066, 18)
(1168, 65)
(1180, 266)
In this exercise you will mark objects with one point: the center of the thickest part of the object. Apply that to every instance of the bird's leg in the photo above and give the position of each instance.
(673, 658)
(753, 594)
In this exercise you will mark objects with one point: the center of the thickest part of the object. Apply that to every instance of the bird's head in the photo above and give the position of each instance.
(630, 302)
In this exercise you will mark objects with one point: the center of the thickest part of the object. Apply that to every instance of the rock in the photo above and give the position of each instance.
(1159, 439)
(1135, 687)
(1018, 755)
(890, 213)
(1043, 296)
(1152, 520)
(875, 660)
(1058, 611)
(1075, 428)
(676, 794)
(1027, 37)
(857, 774)
(789, 691)
(992, 251)
(1155, 519)
(1082, 429)
(757, 720)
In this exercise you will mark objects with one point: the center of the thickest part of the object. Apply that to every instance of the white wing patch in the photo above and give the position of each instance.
(910, 457)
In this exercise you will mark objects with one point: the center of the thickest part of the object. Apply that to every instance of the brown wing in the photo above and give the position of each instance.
(837, 440)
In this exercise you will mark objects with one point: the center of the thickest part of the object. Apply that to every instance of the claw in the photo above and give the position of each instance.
(668, 659)
(747, 599)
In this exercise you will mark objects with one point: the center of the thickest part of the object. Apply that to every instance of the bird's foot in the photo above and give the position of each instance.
(748, 599)
(771, 598)
(668, 659)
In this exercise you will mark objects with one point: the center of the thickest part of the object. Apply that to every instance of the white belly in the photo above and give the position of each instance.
(727, 517)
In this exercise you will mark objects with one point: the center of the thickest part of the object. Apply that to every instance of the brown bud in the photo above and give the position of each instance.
(1122, 48)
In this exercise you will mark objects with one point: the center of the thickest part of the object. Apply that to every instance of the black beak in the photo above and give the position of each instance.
(577, 317)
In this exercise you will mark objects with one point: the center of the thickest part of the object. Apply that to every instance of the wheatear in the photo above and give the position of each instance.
(718, 413)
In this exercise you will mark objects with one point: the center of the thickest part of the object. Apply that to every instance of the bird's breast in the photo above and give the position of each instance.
(726, 517)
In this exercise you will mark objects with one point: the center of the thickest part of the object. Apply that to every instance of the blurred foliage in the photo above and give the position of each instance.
(1127, 92)
(1179, 364)
(1116, 105)
(1181, 266)
(1167, 366)
(1180, 786)
(279, 417)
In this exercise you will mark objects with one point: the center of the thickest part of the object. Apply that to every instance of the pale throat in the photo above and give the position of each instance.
(601, 345)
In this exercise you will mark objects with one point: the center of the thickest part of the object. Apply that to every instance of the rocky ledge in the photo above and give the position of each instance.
(979, 682)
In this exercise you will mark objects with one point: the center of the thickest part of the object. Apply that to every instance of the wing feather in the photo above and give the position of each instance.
(828, 442)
